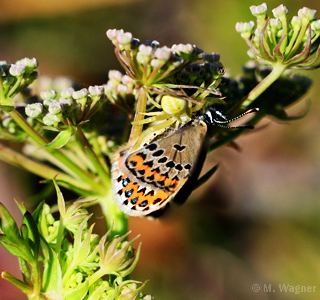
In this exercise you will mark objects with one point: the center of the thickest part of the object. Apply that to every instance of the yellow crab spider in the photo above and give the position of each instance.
(174, 110)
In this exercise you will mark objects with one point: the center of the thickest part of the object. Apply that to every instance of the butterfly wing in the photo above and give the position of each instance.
(144, 181)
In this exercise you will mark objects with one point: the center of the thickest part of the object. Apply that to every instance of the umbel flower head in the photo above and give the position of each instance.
(292, 43)
(166, 71)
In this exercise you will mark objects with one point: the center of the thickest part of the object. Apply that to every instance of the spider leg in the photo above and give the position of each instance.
(152, 119)
(152, 129)
(154, 103)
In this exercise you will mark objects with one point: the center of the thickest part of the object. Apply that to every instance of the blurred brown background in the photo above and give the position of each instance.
(258, 220)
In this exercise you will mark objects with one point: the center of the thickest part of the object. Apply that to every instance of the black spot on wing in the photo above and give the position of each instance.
(128, 193)
(152, 147)
(178, 167)
(148, 163)
(179, 147)
(170, 164)
(125, 181)
(187, 167)
(134, 200)
(141, 172)
(142, 155)
(158, 153)
(156, 201)
(143, 203)
(162, 160)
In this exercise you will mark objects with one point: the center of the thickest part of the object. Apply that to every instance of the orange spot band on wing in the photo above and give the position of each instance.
(138, 159)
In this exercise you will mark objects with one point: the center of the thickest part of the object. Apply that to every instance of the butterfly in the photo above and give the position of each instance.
(166, 168)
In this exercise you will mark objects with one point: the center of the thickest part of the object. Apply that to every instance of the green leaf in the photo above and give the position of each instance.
(60, 140)
(206, 176)
(33, 234)
(16, 249)
(61, 202)
(52, 275)
(78, 293)
(6, 105)
(18, 283)
(8, 225)
(22, 208)
(36, 215)
(25, 270)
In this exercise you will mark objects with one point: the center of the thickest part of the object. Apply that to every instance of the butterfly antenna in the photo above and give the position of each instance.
(219, 123)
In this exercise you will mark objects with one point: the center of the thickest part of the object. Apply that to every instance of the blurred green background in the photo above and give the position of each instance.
(257, 221)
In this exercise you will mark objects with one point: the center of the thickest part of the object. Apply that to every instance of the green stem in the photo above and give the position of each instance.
(41, 141)
(96, 276)
(36, 280)
(87, 148)
(15, 86)
(141, 109)
(277, 71)
(16, 159)
(116, 220)
(97, 149)
(2, 96)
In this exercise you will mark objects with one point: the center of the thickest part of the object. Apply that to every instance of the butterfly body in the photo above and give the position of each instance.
(147, 179)
(166, 168)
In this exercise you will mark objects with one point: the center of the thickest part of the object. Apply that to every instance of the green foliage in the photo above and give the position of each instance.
(76, 263)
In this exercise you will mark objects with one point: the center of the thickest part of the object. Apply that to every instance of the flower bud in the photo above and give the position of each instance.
(315, 26)
(163, 53)
(50, 119)
(307, 14)
(280, 11)
(17, 70)
(115, 76)
(153, 44)
(135, 43)
(48, 94)
(30, 64)
(213, 57)
(65, 102)
(80, 94)
(67, 93)
(245, 29)
(274, 24)
(34, 110)
(176, 61)
(145, 54)
(182, 48)
(55, 108)
(156, 63)
(296, 23)
(124, 38)
(47, 102)
(259, 11)
(95, 90)
(122, 89)
(112, 35)
(127, 80)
